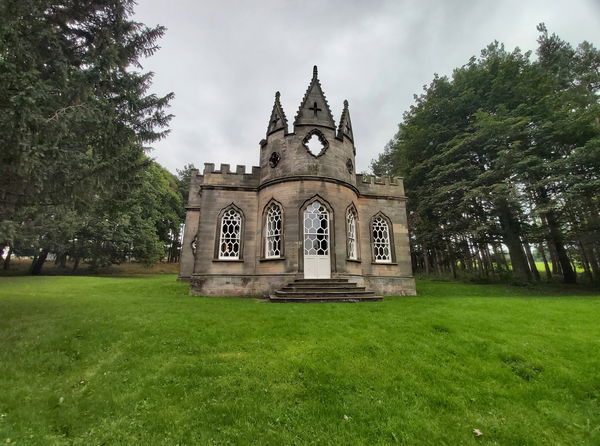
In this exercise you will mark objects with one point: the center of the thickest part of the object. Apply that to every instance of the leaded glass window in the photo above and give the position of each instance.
(229, 242)
(273, 231)
(381, 241)
(351, 236)
(316, 230)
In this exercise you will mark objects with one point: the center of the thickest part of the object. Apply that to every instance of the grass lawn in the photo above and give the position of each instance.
(97, 360)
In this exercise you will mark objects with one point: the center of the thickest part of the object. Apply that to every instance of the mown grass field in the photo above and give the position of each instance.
(96, 360)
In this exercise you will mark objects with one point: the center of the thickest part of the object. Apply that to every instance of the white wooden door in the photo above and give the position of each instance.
(316, 242)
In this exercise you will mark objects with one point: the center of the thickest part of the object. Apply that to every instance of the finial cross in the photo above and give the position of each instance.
(315, 109)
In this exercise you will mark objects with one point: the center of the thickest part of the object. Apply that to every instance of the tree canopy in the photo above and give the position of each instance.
(76, 119)
(505, 152)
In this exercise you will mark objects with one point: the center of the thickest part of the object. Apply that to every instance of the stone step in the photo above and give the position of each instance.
(325, 299)
(321, 286)
(321, 281)
(323, 290)
(332, 293)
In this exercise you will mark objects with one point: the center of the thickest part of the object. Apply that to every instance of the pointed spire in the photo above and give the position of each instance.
(345, 128)
(278, 120)
(314, 109)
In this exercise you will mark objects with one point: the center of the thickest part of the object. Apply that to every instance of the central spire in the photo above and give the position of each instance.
(314, 109)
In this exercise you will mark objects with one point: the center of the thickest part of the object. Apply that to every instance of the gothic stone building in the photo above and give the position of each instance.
(304, 213)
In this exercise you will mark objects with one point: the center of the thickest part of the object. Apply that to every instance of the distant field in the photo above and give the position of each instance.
(21, 266)
(542, 269)
(108, 360)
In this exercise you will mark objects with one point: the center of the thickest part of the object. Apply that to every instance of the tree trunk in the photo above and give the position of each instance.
(426, 261)
(510, 232)
(451, 260)
(532, 265)
(554, 259)
(414, 262)
(75, 263)
(478, 259)
(585, 262)
(546, 266)
(569, 275)
(502, 263)
(7, 258)
(485, 253)
(437, 262)
(487, 259)
(38, 262)
(593, 263)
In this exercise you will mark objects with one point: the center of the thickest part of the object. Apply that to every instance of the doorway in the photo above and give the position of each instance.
(316, 242)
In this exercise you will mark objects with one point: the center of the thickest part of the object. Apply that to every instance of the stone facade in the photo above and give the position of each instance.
(247, 234)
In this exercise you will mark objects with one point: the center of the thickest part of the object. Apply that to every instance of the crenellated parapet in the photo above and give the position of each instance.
(371, 185)
(224, 176)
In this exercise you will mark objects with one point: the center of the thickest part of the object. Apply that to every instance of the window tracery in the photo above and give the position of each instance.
(351, 234)
(316, 230)
(273, 232)
(230, 237)
(381, 240)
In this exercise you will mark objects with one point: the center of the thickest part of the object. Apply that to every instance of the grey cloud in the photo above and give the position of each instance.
(225, 59)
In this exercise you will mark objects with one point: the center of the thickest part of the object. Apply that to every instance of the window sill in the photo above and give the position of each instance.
(384, 263)
(270, 259)
(229, 260)
(354, 260)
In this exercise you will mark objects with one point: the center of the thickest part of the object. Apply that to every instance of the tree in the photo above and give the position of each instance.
(184, 178)
(76, 115)
(504, 153)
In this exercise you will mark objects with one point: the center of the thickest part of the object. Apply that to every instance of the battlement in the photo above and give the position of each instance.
(372, 179)
(240, 169)
(384, 186)
(225, 177)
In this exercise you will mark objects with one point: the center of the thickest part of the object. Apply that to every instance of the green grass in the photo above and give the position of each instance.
(92, 360)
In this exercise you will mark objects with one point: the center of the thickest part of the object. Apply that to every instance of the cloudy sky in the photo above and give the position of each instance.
(225, 59)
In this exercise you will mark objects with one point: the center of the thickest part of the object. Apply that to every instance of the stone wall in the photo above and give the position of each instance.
(297, 161)
(255, 275)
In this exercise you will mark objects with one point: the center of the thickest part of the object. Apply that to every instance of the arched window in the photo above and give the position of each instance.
(351, 246)
(230, 235)
(273, 231)
(316, 230)
(382, 252)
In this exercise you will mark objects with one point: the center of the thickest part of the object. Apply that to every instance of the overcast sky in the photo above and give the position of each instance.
(224, 60)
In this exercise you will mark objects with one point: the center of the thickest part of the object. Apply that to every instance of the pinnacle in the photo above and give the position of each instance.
(345, 127)
(278, 121)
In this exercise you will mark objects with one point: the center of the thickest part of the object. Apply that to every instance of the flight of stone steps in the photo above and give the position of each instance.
(323, 290)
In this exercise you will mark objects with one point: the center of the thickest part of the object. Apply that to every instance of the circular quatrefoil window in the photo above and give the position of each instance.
(315, 143)
(274, 159)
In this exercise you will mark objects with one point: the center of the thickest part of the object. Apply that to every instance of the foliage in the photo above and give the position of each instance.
(75, 118)
(90, 360)
(505, 153)
(184, 178)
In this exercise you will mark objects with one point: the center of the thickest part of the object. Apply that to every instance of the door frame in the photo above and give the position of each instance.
(332, 244)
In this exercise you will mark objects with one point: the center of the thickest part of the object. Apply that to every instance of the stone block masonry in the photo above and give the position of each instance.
(233, 245)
